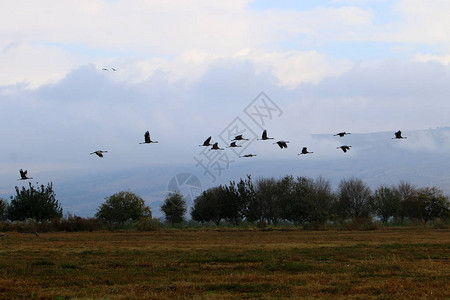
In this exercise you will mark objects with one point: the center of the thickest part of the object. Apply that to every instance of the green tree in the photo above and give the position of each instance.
(385, 203)
(174, 208)
(3, 209)
(207, 207)
(38, 203)
(121, 207)
(247, 195)
(307, 202)
(235, 199)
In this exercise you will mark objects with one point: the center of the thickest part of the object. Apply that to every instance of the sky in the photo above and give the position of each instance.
(186, 70)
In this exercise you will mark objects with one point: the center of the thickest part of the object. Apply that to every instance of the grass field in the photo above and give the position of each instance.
(226, 264)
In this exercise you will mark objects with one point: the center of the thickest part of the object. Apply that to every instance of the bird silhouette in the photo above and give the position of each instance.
(398, 135)
(23, 175)
(147, 139)
(247, 155)
(113, 69)
(239, 138)
(216, 147)
(99, 152)
(304, 151)
(207, 142)
(341, 134)
(282, 144)
(233, 145)
(264, 136)
(344, 148)
(104, 69)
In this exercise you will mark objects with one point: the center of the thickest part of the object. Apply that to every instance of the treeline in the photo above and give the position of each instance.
(312, 203)
(36, 209)
(300, 201)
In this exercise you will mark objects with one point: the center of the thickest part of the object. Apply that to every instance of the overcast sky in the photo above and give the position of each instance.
(187, 69)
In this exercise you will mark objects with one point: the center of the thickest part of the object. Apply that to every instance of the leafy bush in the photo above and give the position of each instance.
(122, 207)
(147, 224)
(38, 203)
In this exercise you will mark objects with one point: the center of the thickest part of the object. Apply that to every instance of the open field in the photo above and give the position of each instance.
(227, 263)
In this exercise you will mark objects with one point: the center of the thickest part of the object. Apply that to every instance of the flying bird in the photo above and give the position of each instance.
(282, 144)
(216, 147)
(147, 138)
(113, 69)
(304, 151)
(264, 136)
(239, 138)
(398, 135)
(341, 134)
(99, 152)
(23, 175)
(233, 145)
(344, 148)
(104, 69)
(247, 155)
(207, 142)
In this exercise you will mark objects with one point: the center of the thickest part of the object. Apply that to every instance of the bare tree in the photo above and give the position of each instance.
(407, 194)
(354, 197)
(385, 203)
(3, 209)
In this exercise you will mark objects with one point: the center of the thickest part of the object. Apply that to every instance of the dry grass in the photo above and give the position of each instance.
(226, 264)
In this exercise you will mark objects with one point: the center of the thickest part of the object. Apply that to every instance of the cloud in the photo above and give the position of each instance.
(33, 64)
(89, 110)
(180, 38)
(421, 22)
(294, 67)
(443, 59)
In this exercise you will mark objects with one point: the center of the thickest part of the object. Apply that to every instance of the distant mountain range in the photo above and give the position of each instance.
(422, 159)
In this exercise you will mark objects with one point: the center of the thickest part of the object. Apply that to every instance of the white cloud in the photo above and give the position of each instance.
(421, 21)
(294, 67)
(443, 59)
(181, 38)
(33, 64)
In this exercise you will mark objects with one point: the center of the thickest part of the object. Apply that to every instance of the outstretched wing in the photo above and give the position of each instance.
(147, 137)
(264, 135)
(207, 141)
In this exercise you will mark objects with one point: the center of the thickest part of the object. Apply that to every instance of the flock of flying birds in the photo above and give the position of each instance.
(282, 144)
(215, 146)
